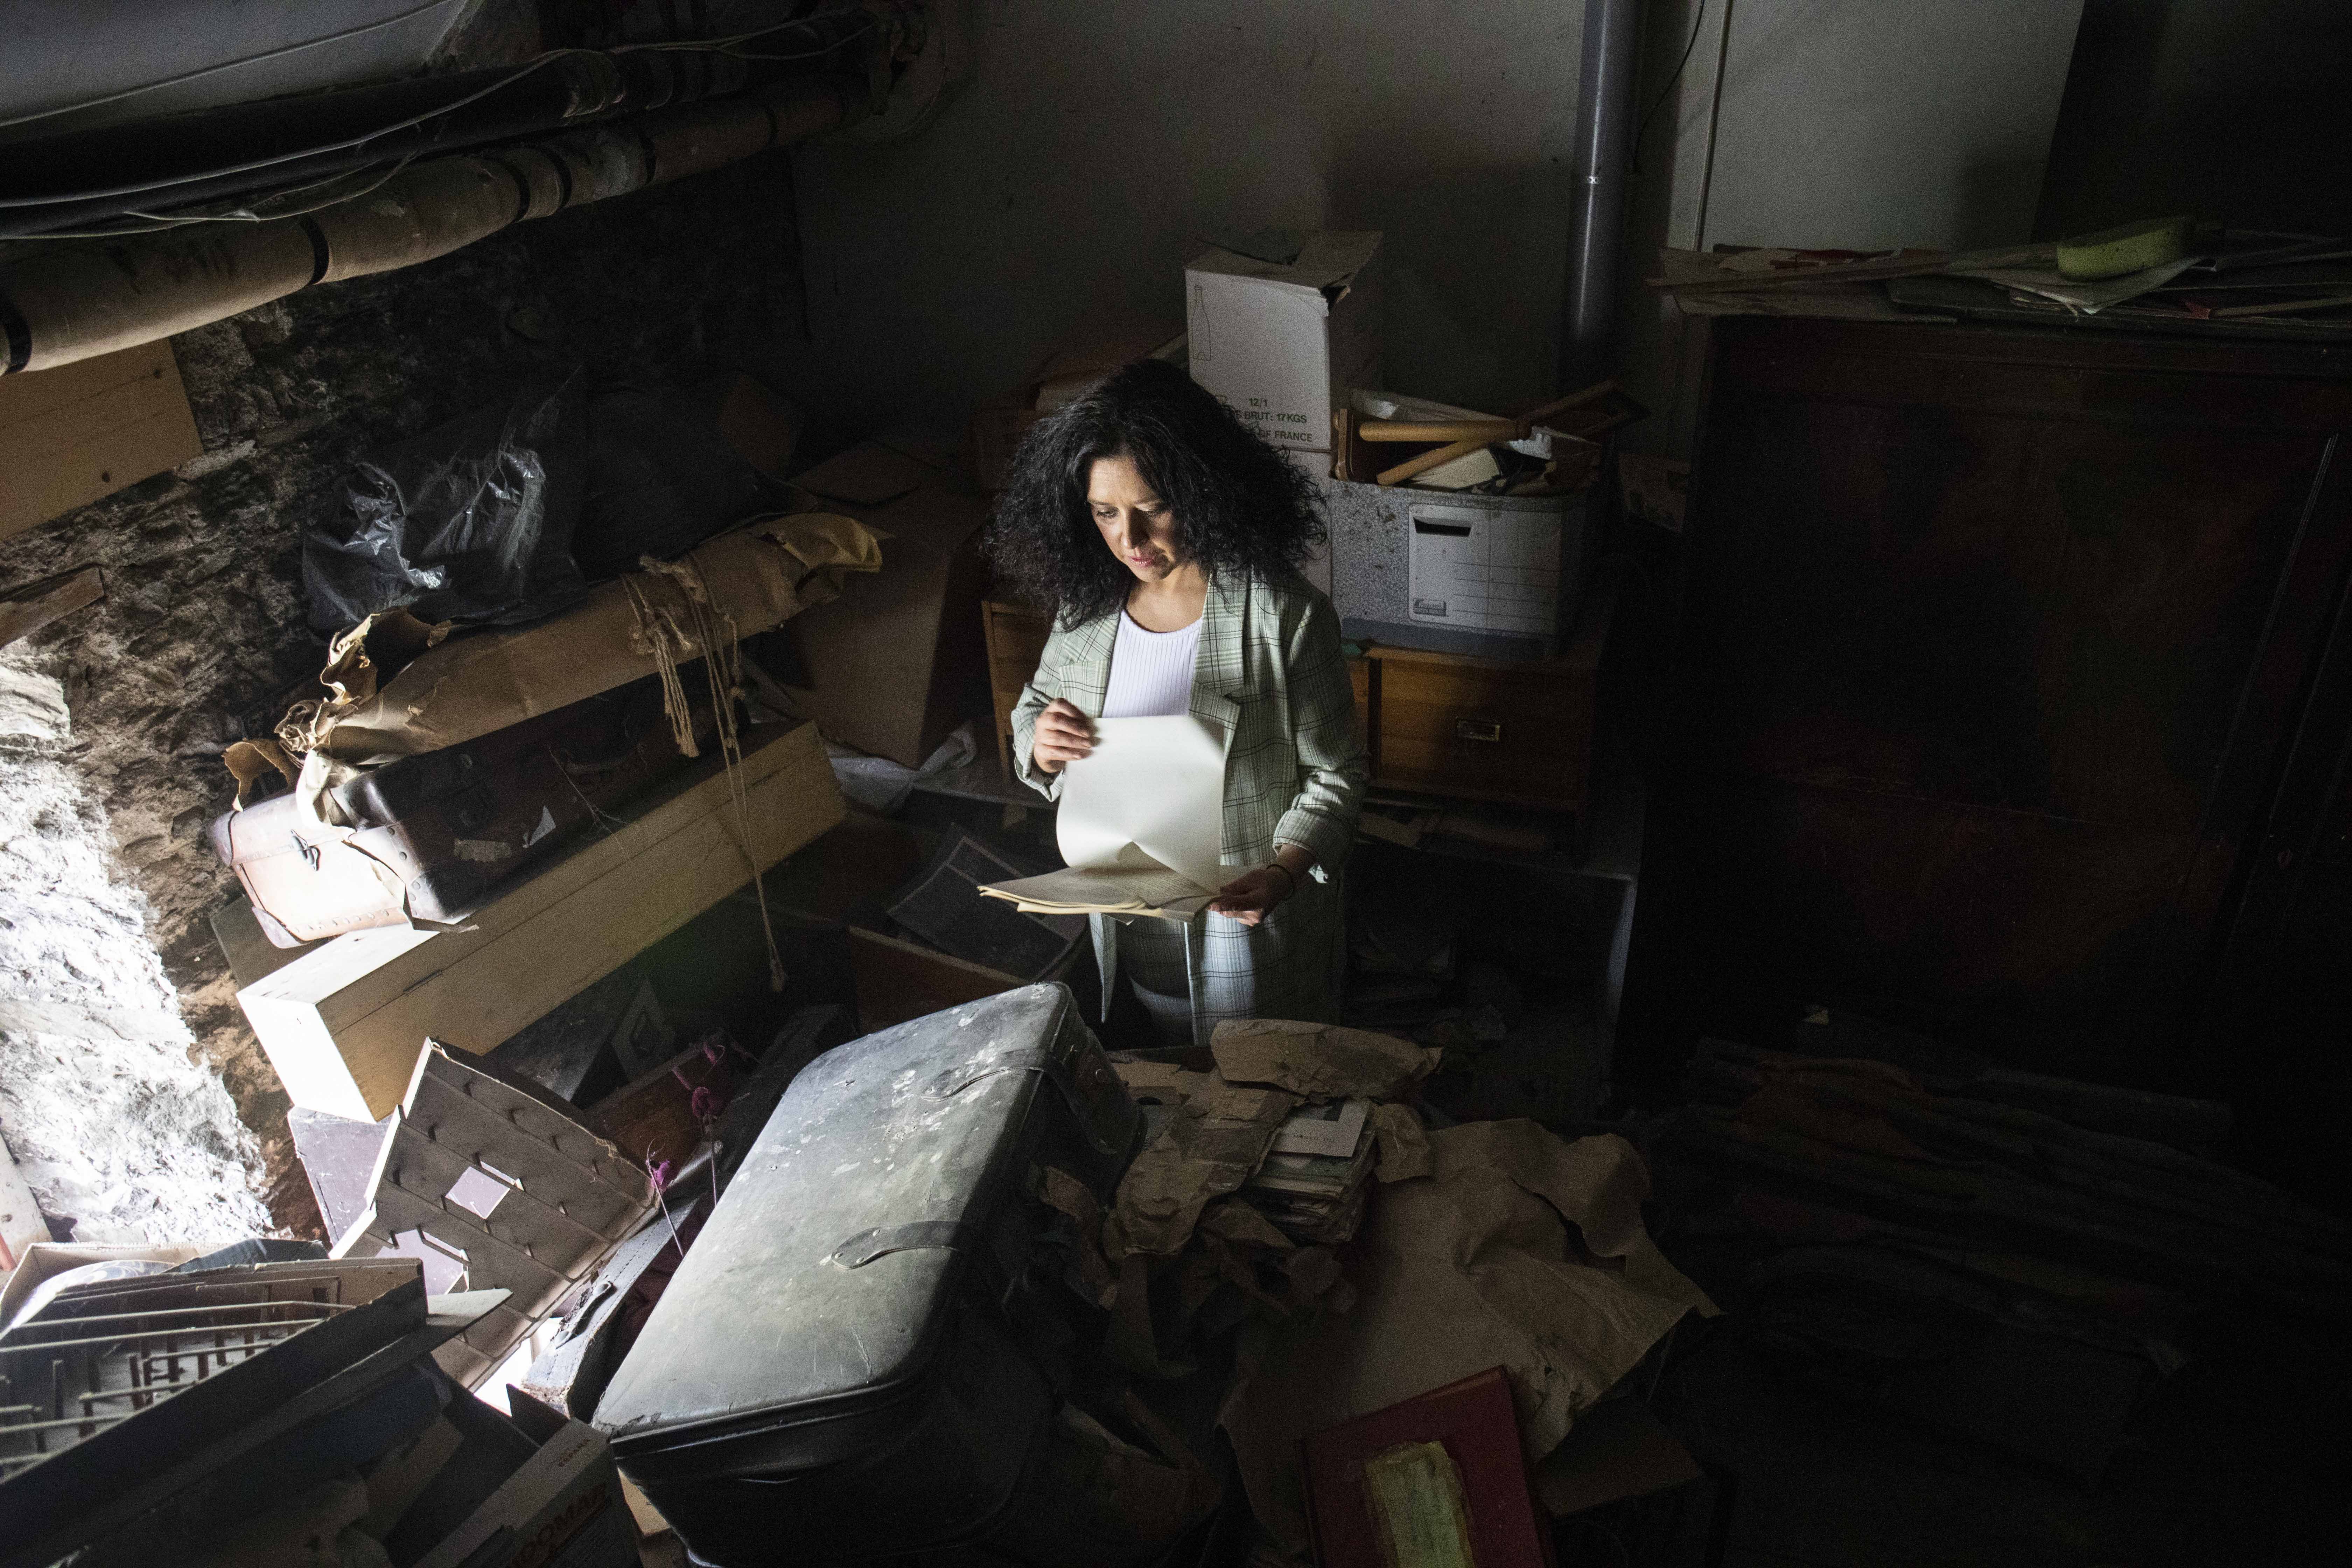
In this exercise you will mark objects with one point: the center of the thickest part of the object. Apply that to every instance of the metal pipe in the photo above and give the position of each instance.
(72, 301)
(78, 180)
(1604, 129)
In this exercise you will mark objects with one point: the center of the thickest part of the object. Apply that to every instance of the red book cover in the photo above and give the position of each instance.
(1436, 1481)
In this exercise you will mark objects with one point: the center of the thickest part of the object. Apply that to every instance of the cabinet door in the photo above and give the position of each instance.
(1993, 641)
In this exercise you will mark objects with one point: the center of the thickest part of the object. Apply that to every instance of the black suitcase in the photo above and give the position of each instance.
(863, 1357)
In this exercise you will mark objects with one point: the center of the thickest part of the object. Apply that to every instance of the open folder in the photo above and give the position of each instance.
(1142, 820)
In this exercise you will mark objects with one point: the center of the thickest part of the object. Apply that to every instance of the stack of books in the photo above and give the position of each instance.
(1318, 1174)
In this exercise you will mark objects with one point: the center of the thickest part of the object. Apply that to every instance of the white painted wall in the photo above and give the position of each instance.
(1103, 139)
(1861, 123)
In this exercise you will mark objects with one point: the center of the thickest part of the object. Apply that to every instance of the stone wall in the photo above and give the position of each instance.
(202, 637)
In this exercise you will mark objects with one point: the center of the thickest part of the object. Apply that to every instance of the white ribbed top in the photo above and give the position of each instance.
(1150, 672)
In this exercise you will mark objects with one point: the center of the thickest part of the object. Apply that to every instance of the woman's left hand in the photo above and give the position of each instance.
(1249, 897)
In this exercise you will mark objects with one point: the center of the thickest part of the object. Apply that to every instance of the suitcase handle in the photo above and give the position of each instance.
(1040, 1059)
(883, 1240)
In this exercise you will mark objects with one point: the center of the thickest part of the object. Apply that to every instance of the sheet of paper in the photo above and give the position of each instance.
(1152, 889)
(1152, 793)
(1330, 1129)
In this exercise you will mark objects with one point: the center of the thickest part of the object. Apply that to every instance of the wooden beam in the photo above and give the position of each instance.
(27, 609)
(80, 431)
(344, 1022)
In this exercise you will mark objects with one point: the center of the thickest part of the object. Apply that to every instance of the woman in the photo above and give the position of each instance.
(1166, 538)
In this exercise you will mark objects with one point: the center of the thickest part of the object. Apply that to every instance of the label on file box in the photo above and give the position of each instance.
(1485, 570)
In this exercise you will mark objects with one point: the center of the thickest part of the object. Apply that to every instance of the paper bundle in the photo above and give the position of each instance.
(1140, 822)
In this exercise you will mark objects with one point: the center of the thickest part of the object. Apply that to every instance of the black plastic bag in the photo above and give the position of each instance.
(661, 479)
(472, 522)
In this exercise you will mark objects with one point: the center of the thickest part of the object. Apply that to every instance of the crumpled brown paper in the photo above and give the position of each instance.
(1475, 1266)
(1318, 1059)
(1403, 1142)
(1209, 1148)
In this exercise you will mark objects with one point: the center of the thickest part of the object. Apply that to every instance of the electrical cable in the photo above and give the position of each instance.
(157, 223)
(278, 53)
(1698, 21)
(416, 119)
(721, 46)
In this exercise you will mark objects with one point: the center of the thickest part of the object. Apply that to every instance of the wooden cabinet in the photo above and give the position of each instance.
(1994, 645)
(1519, 732)
(1016, 641)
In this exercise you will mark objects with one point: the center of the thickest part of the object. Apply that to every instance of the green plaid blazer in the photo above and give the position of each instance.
(1270, 672)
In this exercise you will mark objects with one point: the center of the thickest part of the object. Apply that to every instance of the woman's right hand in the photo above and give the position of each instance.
(1064, 735)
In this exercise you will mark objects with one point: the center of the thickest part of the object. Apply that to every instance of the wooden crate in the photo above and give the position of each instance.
(343, 1023)
(478, 1174)
(1016, 641)
(1519, 732)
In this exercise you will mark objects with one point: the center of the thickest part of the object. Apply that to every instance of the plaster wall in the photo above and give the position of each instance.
(1099, 145)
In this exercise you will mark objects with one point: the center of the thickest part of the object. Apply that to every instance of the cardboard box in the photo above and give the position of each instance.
(1000, 423)
(898, 659)
(562, 1508)
(1280, 343)
(343, 1023)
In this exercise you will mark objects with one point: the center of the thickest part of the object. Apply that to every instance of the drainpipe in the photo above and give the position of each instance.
(1604, 129)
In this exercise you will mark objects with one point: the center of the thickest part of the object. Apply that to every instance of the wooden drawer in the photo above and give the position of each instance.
(1016, 641)
(1488, 728)
(1484, 730)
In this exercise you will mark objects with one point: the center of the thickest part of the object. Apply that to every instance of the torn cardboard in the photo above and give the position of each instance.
(1475, 1266)
(1315, 1059)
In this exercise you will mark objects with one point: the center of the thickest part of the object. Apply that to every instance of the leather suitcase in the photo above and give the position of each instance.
(865, 1356)
(440, 832)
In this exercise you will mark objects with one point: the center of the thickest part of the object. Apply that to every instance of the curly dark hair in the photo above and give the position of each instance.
(1242, 508)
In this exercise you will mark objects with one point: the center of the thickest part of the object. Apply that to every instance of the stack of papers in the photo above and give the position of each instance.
(1318, 1174)
(1139, 823)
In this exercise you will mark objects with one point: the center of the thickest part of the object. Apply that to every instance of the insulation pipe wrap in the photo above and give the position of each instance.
(84, 298)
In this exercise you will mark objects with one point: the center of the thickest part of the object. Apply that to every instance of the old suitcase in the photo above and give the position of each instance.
(439, 831)
(864, 1357)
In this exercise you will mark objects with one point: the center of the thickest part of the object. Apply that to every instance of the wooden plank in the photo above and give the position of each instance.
(651, 1118)
(27, 609)
(250, 955)
(71, 434)
(343, 1024)
(21, 1224)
